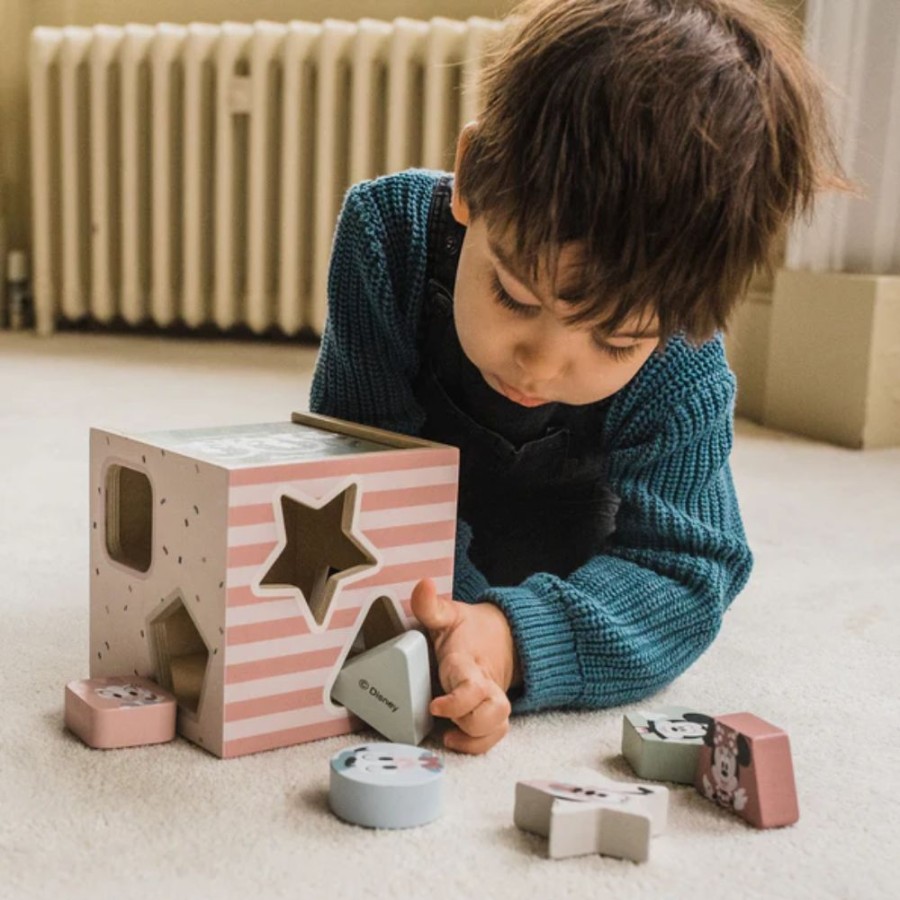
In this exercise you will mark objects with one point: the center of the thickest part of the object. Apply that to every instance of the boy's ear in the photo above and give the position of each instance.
(458, 206)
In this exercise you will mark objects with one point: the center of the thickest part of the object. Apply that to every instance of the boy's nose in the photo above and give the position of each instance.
(540, 363)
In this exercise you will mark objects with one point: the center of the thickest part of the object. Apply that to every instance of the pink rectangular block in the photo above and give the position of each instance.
(745, 766)
(119, 712)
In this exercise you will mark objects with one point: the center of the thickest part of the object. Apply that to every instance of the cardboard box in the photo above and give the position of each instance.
(834, 358)
(240, 567)
(747, 348)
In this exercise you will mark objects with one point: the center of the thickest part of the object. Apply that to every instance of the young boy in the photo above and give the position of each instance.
(553, 309)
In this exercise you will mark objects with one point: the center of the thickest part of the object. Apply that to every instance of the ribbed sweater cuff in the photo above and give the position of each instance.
(545, 642)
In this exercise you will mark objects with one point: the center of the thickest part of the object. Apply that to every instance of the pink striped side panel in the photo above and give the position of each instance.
(279, 665)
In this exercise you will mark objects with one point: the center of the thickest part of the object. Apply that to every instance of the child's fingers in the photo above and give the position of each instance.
(464, 680)
(488, 716)
(460, 702)
(476, 704)
(465, 695)
(464, 743)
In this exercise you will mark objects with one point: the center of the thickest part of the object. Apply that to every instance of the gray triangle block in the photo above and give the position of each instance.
(389, 688)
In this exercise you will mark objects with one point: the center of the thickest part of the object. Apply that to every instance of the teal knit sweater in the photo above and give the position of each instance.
(631, 619)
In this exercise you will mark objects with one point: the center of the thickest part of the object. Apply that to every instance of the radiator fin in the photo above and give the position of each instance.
(192, 175)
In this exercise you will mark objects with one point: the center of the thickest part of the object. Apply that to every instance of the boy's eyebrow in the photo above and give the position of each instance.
(575, 293)
(509, 264)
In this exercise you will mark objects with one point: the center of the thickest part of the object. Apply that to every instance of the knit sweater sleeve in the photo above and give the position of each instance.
(630, 620)
(368, 355)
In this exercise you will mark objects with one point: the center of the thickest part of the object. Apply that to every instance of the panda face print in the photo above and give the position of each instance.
(387, 758)
(394, 765)
(128, 694)
(607, 795)
(373, 762)
(585, 794)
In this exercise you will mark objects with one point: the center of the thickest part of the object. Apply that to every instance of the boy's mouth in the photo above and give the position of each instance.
(517, 396)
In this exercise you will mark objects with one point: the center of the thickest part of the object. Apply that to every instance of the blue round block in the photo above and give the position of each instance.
(386, 785)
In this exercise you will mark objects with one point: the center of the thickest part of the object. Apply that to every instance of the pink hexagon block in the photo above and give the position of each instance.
(119, 712)
(745, 766)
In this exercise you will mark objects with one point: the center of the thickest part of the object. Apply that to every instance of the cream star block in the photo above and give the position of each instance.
(389, 687)
(608, 817)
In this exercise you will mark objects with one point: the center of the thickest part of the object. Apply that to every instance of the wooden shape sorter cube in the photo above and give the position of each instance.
(240, 567)
(664, 744)
(745, 766)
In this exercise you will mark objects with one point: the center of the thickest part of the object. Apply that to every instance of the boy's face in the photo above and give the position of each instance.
(515, 332)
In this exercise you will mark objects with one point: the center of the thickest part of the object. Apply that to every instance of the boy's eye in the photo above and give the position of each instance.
(619, 354)
(503, 298)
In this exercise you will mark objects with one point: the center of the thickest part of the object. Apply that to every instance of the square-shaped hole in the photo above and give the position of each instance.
(129, 517)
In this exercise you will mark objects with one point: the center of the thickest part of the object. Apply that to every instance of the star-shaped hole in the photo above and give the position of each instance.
(319, 549)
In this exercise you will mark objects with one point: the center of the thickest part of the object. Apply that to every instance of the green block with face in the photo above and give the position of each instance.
(664, 744)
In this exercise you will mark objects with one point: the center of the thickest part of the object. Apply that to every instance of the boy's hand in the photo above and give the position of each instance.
(477, 665)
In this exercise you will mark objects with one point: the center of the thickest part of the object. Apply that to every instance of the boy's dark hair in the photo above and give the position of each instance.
(675, 138)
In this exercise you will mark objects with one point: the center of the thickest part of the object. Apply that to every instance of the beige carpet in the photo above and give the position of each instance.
(810, 645)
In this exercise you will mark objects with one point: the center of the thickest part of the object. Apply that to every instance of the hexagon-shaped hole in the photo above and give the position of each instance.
(181, 654)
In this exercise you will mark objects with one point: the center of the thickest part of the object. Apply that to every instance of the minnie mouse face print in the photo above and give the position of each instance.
(730, 753)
